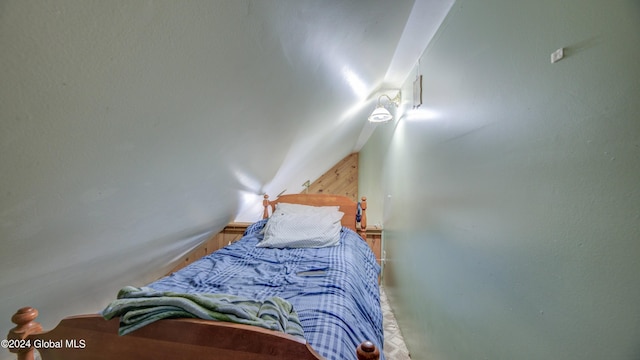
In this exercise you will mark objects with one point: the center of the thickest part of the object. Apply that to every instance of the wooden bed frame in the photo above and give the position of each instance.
(86, 337)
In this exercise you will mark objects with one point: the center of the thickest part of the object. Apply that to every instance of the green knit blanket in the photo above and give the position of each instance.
(138, 307)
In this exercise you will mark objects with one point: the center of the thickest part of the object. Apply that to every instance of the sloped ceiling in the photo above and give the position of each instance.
(131, 130)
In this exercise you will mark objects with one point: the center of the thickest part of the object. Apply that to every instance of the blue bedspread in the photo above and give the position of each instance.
(334, 290)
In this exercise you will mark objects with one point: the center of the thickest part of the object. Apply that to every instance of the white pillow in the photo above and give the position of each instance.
(311, 228)
(289, 208)
(304, 209)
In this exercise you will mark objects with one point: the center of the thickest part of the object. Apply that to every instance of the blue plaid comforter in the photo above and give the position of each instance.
(334, 290)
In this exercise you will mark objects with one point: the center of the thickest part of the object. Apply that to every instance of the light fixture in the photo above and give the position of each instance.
(381, 114)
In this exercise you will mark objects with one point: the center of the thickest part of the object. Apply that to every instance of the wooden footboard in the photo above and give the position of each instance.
(92, 337)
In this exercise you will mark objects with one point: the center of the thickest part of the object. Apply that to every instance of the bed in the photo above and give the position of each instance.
(337, 306)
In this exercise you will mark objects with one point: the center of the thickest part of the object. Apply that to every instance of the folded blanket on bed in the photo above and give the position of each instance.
(138, 307)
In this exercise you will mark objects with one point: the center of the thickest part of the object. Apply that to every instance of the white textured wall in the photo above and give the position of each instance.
(109, 162)
(513, 227)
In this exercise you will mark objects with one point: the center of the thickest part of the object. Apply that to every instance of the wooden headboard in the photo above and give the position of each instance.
(347, 206)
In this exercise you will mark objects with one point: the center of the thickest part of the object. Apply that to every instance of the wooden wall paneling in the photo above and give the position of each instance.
(232, 232)
(341, 179)
(212, 244)
(374, 240)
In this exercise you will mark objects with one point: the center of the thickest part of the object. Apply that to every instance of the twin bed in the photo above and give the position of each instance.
(310, 256)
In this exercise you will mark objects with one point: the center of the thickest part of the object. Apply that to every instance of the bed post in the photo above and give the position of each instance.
(265, 204)
(25, 326)
(367, 351)
(363, 218)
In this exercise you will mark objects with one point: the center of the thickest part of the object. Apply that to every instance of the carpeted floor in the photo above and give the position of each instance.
(394, 346)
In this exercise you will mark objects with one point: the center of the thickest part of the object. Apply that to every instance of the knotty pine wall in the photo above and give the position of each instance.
(341, 179)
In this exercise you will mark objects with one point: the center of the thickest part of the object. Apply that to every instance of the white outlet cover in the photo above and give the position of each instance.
(557, 55)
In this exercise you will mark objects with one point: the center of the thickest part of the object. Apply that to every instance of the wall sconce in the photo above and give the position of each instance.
(381, 114)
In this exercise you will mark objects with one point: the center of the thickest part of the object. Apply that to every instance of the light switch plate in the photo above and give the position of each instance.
(557, 55)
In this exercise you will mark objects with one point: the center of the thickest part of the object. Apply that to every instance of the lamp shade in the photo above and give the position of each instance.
(380, 114)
